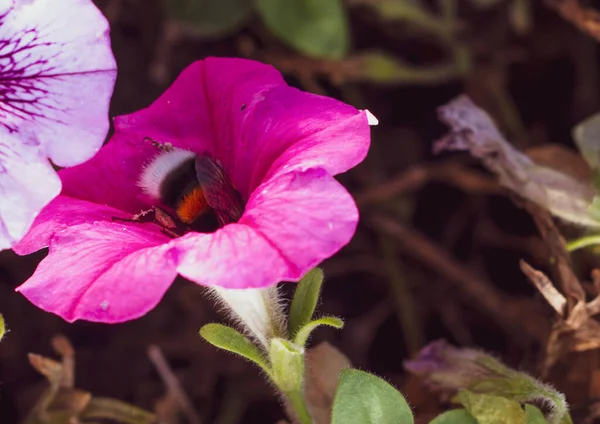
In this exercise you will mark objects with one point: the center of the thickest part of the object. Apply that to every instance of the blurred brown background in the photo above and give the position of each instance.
(535, 73)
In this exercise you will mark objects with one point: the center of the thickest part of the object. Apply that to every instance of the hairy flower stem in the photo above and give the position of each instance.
(298, 406)
(258, 310)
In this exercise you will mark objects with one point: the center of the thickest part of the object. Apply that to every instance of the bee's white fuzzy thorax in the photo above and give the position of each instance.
(157, 170)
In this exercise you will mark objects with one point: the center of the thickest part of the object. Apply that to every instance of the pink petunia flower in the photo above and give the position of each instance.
(57, 74)
(279, 211)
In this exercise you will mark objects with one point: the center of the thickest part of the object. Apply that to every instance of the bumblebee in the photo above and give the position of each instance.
(195, 188)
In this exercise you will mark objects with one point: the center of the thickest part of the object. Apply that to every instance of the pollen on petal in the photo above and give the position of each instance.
(192, 206)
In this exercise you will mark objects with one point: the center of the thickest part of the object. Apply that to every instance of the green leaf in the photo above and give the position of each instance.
(364, 398)
(585, 241)
(287, 361)
(489, 409)
(411, 13)
(106, 409)
(521, 388)
(210, 17)
(382, 68)
(229, 339)
(317, 28)
(587, 138)
(305, 301)
(566, 419)
(534, 415)
(455, 416)
(2, 327)
(305, 331)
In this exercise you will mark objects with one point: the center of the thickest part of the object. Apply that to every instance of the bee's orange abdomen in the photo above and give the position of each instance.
(191, 206)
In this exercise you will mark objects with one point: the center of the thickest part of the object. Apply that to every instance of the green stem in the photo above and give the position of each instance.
(297, 401)
(403, 299)
(583, 242)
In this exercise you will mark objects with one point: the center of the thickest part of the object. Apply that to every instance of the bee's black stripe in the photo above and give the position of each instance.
(178, 183)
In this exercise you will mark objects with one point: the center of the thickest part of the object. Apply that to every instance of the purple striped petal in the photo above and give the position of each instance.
(57, 74)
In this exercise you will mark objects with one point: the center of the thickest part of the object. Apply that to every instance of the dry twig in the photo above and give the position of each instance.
(172, 383)
(481, 292)
(416, 177)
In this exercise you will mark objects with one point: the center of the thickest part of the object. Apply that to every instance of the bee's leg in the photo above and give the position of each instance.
(167, 224)
(144, 216)
(165, 147)
(163, 219)
(156, 216)
(169, 233)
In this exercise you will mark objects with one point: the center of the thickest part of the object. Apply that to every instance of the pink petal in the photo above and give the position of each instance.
(57, 75)
(245, 115)
(110, 177)
(103, 272)
(27, 183)
(235, 256)
(61, 213)
(307, 215)
(279, 125)
(291, 224)
(180, 116)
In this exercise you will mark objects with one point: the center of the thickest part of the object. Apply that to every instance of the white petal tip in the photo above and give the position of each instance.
(371, 118)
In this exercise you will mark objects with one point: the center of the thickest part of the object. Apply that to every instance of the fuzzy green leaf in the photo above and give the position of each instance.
(363, 398)
(305, 301)
(455, 416)
(229, 339)
(317, 28)
(489, 409)
(305, 331)
(534, 415)
(287, 361)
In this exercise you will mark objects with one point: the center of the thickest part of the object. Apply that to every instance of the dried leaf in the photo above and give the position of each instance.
(49, 368)
(587, 137)
(561, 158)
(474, 130)
(58, 406)
(546, 288)
(323, 366)
(62, 346)
(586, 19)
